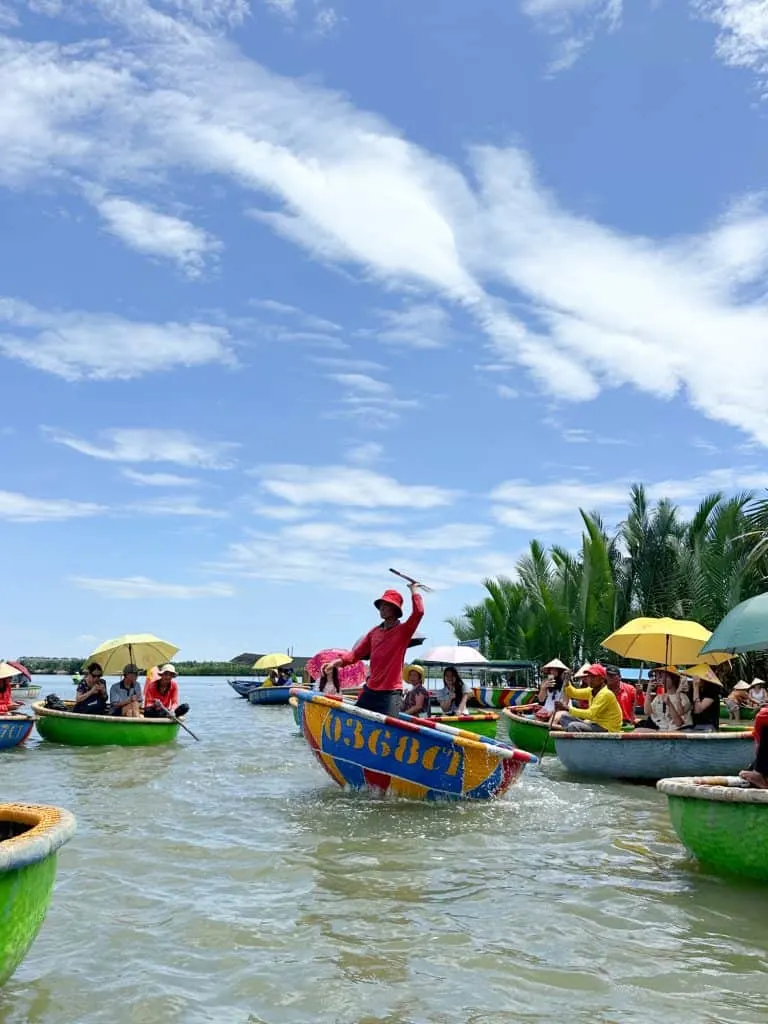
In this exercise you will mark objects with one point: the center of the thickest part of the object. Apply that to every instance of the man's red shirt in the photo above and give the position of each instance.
(385, 649)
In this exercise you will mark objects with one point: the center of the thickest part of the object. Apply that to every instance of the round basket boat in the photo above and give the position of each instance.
(651, 756)
(102, 730)
(364, 750)
(14, 729)
(724, 826)
(30, 838)
(529, 733)
(502, 696)
(482, 724)
(243, 687)
(25, 692)
(745, 714)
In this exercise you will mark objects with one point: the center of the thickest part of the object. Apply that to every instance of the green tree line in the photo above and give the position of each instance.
(563, 603)
(71, 666)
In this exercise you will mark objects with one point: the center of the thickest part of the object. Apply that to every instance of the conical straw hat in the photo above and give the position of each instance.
(555, 663)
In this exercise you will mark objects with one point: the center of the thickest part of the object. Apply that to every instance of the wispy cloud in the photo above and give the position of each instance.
(21, 508)
(308, 320)
(365, 454)
(136, 444)
(743, 37)
(102, 346)
(132, 588)
(574, 22)
(154, 233)
(419, 325)
(184, 507)
(159, 479)
(348, 486)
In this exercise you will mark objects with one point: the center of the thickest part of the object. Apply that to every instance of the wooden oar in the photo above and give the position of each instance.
(179, 722)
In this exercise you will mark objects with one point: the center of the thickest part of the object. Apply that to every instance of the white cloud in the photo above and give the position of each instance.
(576, 21)
(309, 320)
(541, 507)
(140, 587)
(20, 508)
(348, 486)
(157, 234)
(287, 8)
(420, 325)
(185, 507)
(743, 25)
(137, 444)
(158, 479)
(365, 454)
(361, 382)
(348, 365)
(505, 391)
(102, 346)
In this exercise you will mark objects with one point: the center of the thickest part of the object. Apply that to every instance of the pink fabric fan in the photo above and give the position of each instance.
(349, 677)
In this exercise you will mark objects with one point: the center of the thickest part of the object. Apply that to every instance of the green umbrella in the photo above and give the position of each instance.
(744, 628)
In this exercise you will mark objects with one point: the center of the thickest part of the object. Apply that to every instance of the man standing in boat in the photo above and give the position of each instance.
(384, 647)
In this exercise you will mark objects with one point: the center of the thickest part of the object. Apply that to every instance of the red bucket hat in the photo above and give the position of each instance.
(391, 597)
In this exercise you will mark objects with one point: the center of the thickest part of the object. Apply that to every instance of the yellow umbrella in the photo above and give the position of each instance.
(268, 661)
(664, 641)
(141, 649)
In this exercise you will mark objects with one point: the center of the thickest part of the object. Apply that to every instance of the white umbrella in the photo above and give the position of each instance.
(454, 656)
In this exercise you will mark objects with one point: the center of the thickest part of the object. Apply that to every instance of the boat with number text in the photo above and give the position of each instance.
(30, 838)
(14, 729)
(404, 756)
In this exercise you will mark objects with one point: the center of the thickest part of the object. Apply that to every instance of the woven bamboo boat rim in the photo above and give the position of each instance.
(641, 736)
(45, 712)
(526, 718)
(722, 793)
(51, 828)
(461, 738)
(15, 717)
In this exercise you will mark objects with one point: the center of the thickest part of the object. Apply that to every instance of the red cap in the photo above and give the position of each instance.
(596, 670)
(391, 597)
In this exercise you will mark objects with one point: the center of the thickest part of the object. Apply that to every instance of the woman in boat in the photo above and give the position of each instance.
(737, 699)
(670, 710)
(554, 677)
(454, 696)
(91, 694)
(757, 693)
(7, 703)
(329, 683)
(706, 705)
(416, 701)
(162, 695)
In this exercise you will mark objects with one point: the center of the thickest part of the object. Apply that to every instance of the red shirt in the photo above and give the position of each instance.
(761, 721)
(169, 700)
(626, 698)
(385, 649)
(6, 699)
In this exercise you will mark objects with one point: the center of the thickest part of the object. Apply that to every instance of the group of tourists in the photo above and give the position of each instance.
(746, 696)
(670, 702)
(160, 696)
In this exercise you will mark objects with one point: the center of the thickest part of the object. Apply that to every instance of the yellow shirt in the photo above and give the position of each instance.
(603, 707)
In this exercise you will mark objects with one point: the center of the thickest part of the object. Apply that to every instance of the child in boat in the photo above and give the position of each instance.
(670, 710)
(329, 683)
(91, 694)
(162, 694)
(454, 696)
(416, 701)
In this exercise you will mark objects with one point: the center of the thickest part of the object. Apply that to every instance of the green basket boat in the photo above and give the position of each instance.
(724, 825)
(102, 730)
(528, 733)
(30, 838)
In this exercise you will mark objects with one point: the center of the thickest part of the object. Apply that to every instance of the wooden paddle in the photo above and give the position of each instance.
(178, 721)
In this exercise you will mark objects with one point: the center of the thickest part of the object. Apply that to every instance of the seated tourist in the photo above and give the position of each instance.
(416, 701)
(91, 693)
(738, 699)
(454, 696)
(623, 692)
(670, 710)
(757, 693)
(125, 696)
(7, 703)
(329, 683)
(705, 700)
(162, 694)
(602, 714)
(554, 678)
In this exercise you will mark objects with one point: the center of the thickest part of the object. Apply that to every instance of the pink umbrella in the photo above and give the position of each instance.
(23, 670)
(349, 677)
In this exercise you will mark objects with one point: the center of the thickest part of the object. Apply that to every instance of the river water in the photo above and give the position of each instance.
(231, 881)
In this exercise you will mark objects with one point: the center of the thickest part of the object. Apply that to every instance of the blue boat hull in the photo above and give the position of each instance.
(14, 730)
(652, 756)
(270, 694)
(243, 687)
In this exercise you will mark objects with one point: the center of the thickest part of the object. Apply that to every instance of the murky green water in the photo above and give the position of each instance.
(231, 881)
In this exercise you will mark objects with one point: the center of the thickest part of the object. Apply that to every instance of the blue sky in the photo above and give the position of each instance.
(292, 291)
